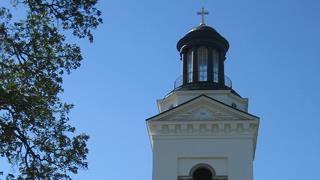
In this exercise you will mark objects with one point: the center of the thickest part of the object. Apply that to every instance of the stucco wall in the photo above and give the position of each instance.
(176, 157)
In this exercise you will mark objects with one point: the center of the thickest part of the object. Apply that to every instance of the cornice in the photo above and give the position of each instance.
(203, 128)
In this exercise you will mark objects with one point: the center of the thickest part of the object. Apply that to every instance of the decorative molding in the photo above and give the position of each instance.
(203, 113)
(203, 101)
(203, 128)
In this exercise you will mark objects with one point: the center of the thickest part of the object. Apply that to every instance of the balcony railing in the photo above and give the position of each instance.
(227, 81)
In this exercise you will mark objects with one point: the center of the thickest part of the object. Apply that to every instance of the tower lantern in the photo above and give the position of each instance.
(203, 51)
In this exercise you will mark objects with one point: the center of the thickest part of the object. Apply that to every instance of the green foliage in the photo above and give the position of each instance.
(34, 55)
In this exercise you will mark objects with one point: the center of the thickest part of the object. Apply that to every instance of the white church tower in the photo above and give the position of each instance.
(203, 130)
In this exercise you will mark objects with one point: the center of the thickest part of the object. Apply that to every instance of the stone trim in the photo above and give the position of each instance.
(203, 128)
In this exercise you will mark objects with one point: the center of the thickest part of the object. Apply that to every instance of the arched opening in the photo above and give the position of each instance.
(215, 56)
(189, 66)
(202, 173)
(202, 63)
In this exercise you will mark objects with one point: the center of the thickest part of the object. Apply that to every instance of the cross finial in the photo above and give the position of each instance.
(202, 13)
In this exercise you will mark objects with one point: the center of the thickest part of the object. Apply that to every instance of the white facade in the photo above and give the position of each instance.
(201, 128)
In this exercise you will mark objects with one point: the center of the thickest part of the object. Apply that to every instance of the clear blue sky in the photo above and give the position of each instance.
(273, 60)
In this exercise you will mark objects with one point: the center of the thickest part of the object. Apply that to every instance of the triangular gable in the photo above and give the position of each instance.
(202, 108)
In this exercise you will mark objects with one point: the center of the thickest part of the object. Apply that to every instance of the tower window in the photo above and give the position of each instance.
(202, 174)
(202, 63)
(215, 56)
(189, 65)
(234, 105)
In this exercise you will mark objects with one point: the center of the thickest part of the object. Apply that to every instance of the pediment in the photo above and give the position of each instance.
(203, 108)
(202, 113)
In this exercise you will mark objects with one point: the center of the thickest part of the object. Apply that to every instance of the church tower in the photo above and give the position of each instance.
(203, 130)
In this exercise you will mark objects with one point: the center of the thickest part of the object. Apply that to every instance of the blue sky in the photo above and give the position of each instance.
(273, 60)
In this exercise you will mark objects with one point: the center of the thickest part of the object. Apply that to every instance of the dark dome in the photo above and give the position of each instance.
(203, 35)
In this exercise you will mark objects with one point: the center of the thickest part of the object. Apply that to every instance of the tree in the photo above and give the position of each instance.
(34, 55)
